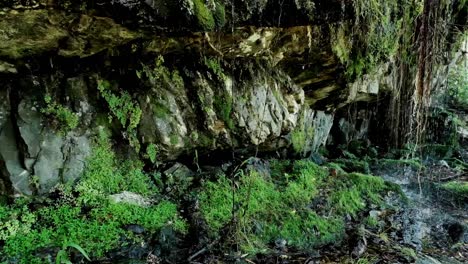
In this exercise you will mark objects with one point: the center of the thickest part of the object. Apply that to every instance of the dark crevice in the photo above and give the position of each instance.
(15, 119)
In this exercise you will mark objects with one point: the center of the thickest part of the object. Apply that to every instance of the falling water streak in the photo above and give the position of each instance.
(343, 9)
(280, 13)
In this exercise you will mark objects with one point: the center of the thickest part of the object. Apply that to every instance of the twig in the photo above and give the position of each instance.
(452, 177)
(201, 251)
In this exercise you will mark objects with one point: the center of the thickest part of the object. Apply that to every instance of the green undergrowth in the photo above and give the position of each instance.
(34, 232)
(300, 202)
(106, 175)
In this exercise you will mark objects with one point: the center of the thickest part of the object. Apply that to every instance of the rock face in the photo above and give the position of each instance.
(175, 77)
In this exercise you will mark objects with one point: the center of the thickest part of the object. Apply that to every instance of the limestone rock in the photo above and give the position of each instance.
(29, 33)
(34, 32)
(47, 158)
(315, 127)
(268, 108)
(130, 198)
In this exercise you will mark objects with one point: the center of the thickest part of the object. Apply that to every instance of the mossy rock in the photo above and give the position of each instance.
(204, 16)
(29, 33)
(414, 164)
(437, 151)
(455, 190)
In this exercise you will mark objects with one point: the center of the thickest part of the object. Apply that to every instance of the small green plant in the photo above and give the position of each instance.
(124, 108)
(63, 257)
(15, 221)
(409, 253)
(223, 106)
(34, 182)
(64, 118)
(152, 151)
(157, 74)
(215, 67)
(372, 221)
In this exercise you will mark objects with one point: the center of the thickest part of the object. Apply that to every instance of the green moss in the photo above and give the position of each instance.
(280, 207)
(280, 169)
(268, 212)
(459, 189)
(204, 140)
(301, 138)
(152, 152)
(415, 164)
(353, 165)
(341, 44)
(217, 203)
(223, 106)
(64, 119)
(355, 190)
(160, 110)
(174, 139)
(214, 65)
(347, 200)
(204, 16)
(151, 218)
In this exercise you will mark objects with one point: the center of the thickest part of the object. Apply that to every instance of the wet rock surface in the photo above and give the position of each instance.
(436, 229)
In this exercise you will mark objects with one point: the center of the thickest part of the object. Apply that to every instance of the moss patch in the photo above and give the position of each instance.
(223, 106)
(203, 15)
(415, 164)
(457, 189)
(282, 207)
